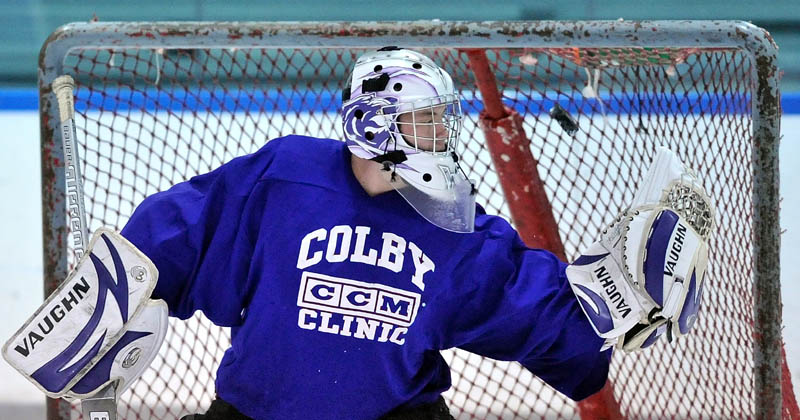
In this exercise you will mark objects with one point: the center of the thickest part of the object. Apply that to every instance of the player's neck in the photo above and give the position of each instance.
(370, 175)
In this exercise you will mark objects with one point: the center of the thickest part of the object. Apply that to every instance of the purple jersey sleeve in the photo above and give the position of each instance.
(515, 304)
(200, 234)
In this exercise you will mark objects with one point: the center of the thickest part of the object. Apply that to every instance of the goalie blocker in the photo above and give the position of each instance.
(99, 327)
(645, 275)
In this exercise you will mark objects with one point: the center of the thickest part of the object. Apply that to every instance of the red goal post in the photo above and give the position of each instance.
(561, 121)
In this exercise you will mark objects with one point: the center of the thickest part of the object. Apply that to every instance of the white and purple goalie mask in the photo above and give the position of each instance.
(401, 109)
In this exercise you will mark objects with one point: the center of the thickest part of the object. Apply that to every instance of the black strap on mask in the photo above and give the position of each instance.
(376, 84)
(346, 94)
(473, 190)
(390, 160)
(395, 156)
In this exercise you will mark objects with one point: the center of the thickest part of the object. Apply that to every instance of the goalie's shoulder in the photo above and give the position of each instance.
(311, 161)
(294, 146)
(279, 158)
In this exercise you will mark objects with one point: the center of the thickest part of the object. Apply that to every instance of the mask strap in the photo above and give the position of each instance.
(473, 190)
(390, 160)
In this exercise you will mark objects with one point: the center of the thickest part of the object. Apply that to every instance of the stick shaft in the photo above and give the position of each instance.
(63, 88)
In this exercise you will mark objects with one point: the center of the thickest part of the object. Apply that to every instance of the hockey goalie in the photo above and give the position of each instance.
(344, 267)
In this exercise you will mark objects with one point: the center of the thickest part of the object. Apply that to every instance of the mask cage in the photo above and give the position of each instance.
(434, 126)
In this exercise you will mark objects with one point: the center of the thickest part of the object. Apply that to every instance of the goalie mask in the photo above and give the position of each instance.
(401, 109)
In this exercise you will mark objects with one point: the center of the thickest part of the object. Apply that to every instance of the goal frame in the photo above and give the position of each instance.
(755, 43)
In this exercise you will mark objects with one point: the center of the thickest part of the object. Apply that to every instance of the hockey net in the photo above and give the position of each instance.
(150, 117)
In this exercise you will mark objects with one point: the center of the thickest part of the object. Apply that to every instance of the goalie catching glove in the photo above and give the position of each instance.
(644, 277)
(99, 327)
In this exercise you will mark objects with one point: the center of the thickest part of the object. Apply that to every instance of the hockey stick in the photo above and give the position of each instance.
(63, 88)
(103, 405)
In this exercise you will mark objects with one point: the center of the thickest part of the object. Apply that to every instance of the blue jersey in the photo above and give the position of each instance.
(340, 302)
